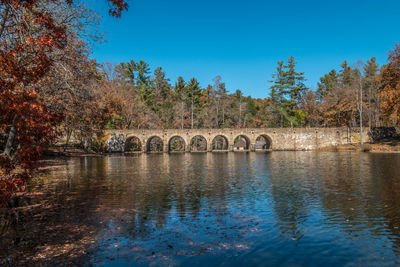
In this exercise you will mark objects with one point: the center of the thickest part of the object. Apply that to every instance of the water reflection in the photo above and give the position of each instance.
(282, 208)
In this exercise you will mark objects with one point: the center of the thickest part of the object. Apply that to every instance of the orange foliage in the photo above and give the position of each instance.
(389, 79)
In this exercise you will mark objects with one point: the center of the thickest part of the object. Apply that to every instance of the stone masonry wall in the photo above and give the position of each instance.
(281, 138)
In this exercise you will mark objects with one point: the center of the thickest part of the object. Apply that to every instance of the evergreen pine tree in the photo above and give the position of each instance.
(327, 84)
(295, 81)
(370, 70)
(161, 84)
(279, 86)
(126, 72)
(143, 82)
(163, 101)
(194, 94)
(181, 96)
(346, 74)
(287, 91)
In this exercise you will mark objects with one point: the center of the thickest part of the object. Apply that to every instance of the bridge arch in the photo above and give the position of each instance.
(263, 142)
(241, 143)
(133, 144)
(154, 144)
(220, 143)
(198, 144)
(176, 144)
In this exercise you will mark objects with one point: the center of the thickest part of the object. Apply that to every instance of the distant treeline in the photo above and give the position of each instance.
(134, 97)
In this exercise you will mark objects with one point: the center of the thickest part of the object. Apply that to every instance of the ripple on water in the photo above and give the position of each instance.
(279, 208)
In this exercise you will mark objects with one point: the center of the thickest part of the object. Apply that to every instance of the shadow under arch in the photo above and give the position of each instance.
(154, 144)
(263, 142)
(241, 143)
(220, 143)
(176, 144)
(133, 144)
(198, 144)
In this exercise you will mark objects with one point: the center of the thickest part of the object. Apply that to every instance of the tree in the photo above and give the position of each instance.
(31, 36)
(311, 106)
(161, 85)
(295, 81)
(287, 92)
(327, 84)
(181, 95)
(251, 111)
(69, 89)
(239, 100)
(194, 93)
(126, 72)
(221, 100)
(206, 115)
(345, 74)
(371, 69)
(338, 108)
(278, 90)
(143, 82)
(359, 96)
(218, 96)
(163, 105)
(389, 89)
(336, 94)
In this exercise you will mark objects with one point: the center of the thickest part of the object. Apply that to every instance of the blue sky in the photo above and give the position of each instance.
(243, 40)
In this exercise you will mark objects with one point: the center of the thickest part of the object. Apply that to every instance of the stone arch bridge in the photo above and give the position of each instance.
(246, 139)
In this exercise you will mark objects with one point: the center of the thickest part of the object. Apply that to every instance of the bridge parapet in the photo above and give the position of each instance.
(244, 139)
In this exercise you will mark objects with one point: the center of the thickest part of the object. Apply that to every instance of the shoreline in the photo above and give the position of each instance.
(384, 146)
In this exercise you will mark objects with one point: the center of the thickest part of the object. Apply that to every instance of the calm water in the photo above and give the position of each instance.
(241, 209)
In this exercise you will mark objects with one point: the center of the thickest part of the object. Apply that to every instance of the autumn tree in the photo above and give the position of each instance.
(338, 107)
(389, 89)
(311, 105)
(219, 96)
(31, 35)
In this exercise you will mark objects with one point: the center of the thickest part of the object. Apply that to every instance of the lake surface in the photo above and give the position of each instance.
(234, 209)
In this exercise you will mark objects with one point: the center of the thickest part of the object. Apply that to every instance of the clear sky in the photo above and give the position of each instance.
(243, 40)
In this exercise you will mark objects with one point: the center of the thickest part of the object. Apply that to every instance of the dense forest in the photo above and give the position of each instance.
(134, 97)
(51, 87)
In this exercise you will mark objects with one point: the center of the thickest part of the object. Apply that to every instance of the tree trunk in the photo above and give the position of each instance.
(369, 108)
(69, 133)
(348, 135)
(192, 113)
(377, 112)
(10, 140)
(223, 115)
(361, 112)
(182, 111)
(217, 115)
(240, 114)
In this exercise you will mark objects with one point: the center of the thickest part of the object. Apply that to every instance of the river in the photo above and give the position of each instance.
(231, 209)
